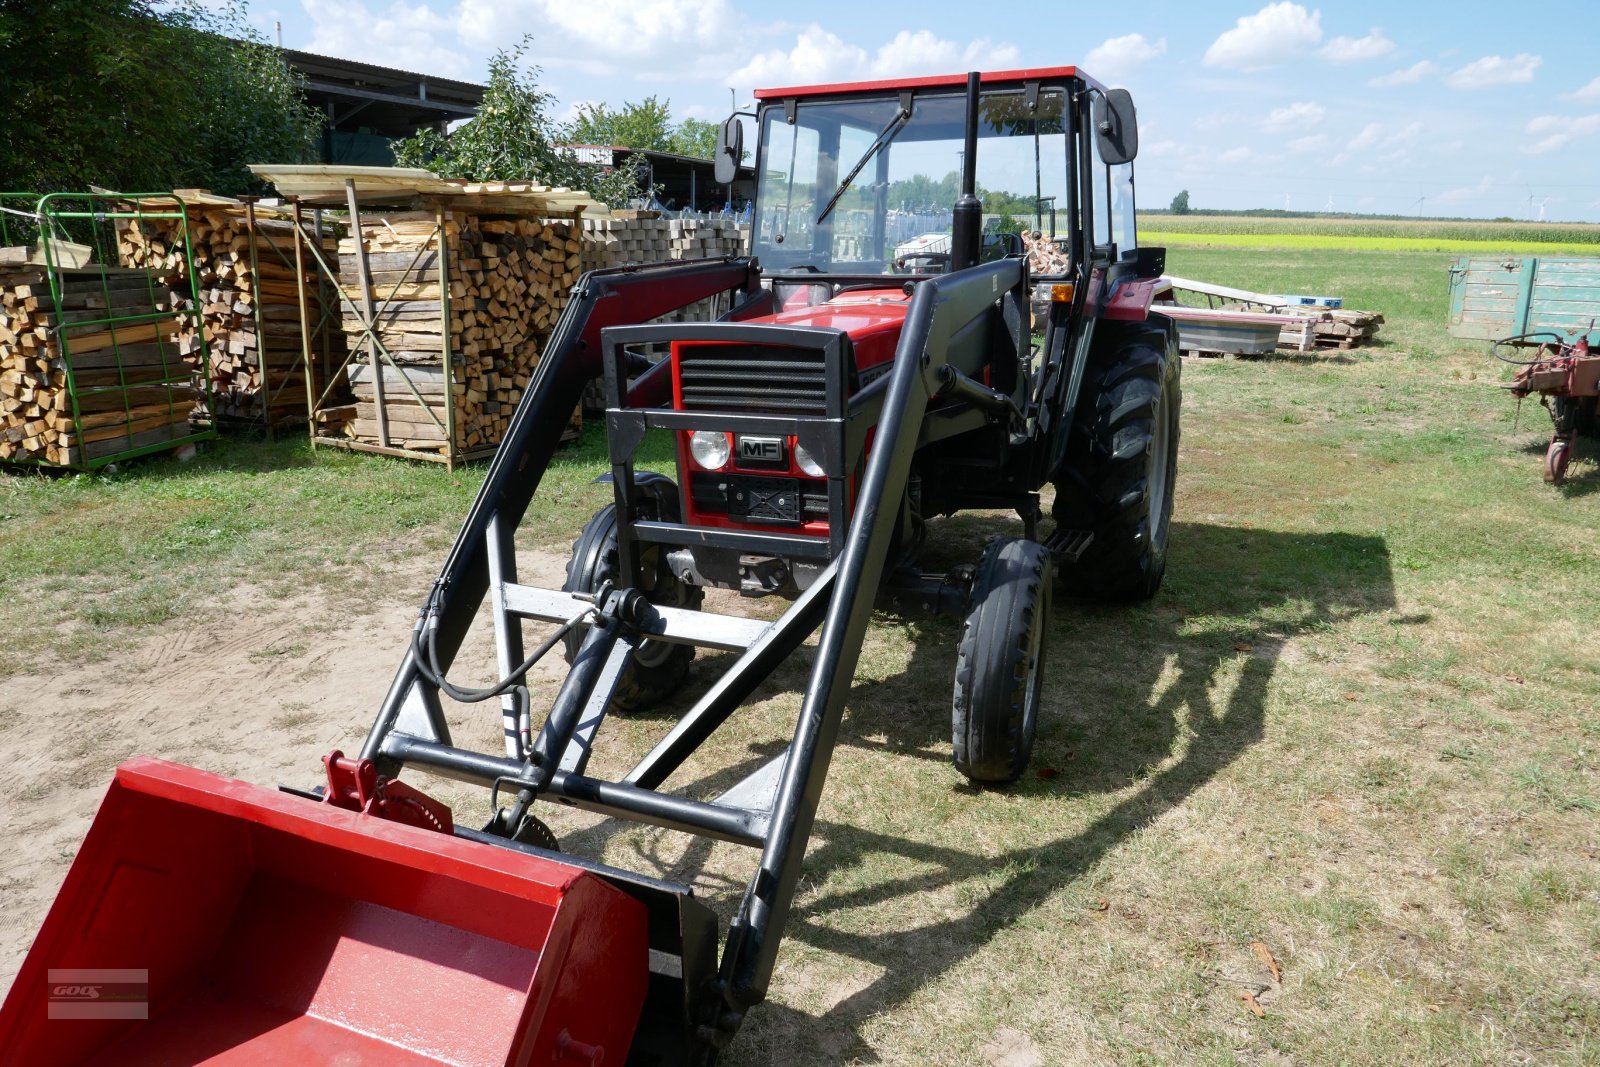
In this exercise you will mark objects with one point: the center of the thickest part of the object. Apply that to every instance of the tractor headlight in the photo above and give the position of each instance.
(710, 449)
(807, 462)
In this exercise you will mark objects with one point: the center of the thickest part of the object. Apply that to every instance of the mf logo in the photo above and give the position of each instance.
(761, 451)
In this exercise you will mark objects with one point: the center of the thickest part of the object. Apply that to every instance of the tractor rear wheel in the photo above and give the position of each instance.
(658, 668)
(1121, 464)
(1000, 662)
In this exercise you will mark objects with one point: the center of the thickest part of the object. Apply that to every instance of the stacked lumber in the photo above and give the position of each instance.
(628, 239)
(246, 288)
(132, 387)
(508, 278)
(621, 241)
(1344, 328)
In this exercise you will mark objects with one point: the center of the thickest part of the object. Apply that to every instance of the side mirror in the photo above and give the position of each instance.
(730, 151)
(1116, 127)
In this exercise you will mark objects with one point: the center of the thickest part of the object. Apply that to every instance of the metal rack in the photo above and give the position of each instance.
(129, 391)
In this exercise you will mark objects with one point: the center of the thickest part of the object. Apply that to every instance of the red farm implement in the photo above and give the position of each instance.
(1567, 379)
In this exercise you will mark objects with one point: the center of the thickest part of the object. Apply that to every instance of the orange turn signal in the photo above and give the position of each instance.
(1062, 293)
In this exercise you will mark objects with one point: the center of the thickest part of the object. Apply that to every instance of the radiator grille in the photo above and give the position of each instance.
(753, 378)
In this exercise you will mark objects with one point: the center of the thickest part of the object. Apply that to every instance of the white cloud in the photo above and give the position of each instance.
(1272, 35)
(1427, 68)
(1468, 192)
(821, 56)
(1559, 130)
(1370, 134)
(406, 36)
(1233, 156)
(1588, 92)
(817, 56)
(1357, 49)
(641, 38)
(1294, 117)
(1120, 56)
(1495, 70)
(1316, 142)
(1405, 136)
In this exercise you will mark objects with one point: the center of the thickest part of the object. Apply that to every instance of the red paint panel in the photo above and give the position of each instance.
(1130, 300)
(276, 930)
(937, 81)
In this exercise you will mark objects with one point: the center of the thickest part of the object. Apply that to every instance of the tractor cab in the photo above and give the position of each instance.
(865, 178)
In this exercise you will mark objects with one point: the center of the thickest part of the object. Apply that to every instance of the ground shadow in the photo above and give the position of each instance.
(1128, 686)
(1125, 683)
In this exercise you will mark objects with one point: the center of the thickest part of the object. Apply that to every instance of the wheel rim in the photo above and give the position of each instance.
(1555, 462)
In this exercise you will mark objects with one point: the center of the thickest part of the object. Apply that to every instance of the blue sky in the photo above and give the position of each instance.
(1465, 109)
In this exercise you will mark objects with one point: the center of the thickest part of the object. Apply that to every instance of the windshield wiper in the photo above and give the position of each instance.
(901, 117)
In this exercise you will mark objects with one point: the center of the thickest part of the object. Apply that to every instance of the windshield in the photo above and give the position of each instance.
(895, 216)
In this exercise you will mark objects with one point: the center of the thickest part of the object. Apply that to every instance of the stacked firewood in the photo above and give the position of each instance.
(76, 386)
(505, 282)
(246, 288)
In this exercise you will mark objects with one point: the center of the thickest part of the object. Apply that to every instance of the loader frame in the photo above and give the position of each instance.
(773, 809)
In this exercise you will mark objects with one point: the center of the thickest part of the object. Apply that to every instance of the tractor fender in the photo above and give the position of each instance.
(657, 486)
(1130, 299)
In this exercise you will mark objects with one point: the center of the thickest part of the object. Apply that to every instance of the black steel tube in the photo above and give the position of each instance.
(966, 224)
(602, 298)
(953, 383)
(607, 798)
(753, 667)
(573, 696)
(939, 308)
(969, 157)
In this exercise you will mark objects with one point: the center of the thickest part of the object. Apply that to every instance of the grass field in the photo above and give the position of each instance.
(1332, 797)
(1393, 235)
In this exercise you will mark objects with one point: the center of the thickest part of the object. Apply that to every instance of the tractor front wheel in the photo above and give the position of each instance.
(1121, 464)
(658, 668)
(1000, 662)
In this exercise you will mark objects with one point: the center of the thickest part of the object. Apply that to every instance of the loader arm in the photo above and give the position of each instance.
(774, 810)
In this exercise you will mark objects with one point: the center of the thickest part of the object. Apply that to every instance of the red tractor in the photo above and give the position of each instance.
(888, 356)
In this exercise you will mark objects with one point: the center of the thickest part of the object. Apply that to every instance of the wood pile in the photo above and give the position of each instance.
(621, 241)
(627, 239)
(1343, 328)
(246, 288)
(508, 278)
(131, 384)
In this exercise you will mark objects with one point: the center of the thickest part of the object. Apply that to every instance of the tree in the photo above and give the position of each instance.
(513, 137)
(1180, 203)
(696, 138)
(143, 96)
(646, 125)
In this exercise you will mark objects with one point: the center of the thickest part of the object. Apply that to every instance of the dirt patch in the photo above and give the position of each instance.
(259, 692)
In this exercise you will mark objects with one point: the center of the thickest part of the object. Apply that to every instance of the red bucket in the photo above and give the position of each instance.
(206, 920)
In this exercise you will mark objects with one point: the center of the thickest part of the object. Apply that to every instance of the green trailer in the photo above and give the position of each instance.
(1497, 297)
(1543, 316)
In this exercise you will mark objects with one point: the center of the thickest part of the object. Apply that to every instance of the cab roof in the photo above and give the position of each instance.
(936, 81)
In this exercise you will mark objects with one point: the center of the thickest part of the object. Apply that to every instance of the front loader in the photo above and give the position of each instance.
(850, 395)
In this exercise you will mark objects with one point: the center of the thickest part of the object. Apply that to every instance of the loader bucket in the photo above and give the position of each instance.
(270, 929)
